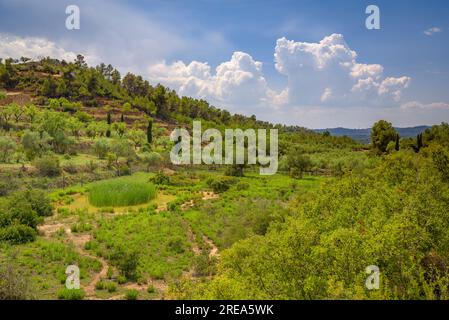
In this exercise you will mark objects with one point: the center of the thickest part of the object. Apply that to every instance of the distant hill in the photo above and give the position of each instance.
(363, 135)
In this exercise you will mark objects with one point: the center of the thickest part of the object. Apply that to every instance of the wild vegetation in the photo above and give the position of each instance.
(120, 192)
(86, 180)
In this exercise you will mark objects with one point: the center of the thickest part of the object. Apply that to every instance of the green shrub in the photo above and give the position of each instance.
(221, 184)
(101, 147)
(242, 186)
(151, 289)
(131, 294)
(48, 166)
(17, 234)
(4, 188)
(120, 192)
(63, 212)
(39, 201)
(81, 227)
(19, 211)
(176, 244)
(127, 263)
(121, 279)
(124, 170)
(100, 285)
(204, 265)
(7, 148)
(13, 285)
(71, 294)
(160, 178)
(111, 287)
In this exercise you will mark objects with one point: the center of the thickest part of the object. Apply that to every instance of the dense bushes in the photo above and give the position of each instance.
(17, 233)
(7, 148)
(71, 294)
(21, 215)
(221, 184)
(48, 165)
(393, 216)
(13, 285)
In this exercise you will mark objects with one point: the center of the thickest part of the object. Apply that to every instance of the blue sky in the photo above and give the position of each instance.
(328, 71)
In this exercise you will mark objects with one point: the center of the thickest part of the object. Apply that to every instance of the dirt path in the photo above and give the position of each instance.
(206, 195)
(213, 248)
(79, 241)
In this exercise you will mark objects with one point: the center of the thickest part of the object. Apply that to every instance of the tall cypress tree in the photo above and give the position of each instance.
(419, 143)
(150, 131)
(397, 142)
(109, 120)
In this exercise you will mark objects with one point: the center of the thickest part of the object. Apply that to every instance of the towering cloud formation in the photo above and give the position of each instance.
(328, 72)
(322, 73)
(237, 81)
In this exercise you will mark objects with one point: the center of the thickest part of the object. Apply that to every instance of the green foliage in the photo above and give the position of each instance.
(48, 165)
(235, 170)
(119, 128)
(38, 200)
(222, 184)
(109, 122)
(204, 265)
(419, 142)
(22, 213)
(382, 133)
(71, 294)
(386, 216)
(17, 234)
(100, 285)
(101, 147)
(150, 159)
(127, 263)
(55, 125)
(13, 285)
(160, 178)
(131, 294)
(136, 136)
(151, 289)
(120, 192)
(150, 131)
(297, 163)
(156, 247)
(111, 287)
(440, 158)
(35, 144)
(7, 148)
(122, 148)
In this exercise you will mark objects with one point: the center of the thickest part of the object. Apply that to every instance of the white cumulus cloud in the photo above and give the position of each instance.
(32, 47)
(328, 71)
(237, 81)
